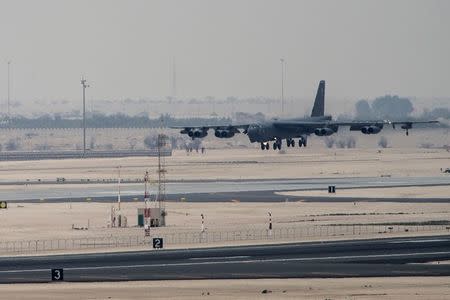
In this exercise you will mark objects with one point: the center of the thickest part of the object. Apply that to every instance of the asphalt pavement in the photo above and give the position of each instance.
(360, 258)
(203, 191)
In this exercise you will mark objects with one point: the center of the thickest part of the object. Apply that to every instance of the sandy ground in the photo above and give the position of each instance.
(349, 288)
(242, 164)
(31, 221)
(44, 221)
(401, 192)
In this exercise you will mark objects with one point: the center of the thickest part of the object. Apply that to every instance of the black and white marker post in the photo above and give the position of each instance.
(203, 222)
(270, 223)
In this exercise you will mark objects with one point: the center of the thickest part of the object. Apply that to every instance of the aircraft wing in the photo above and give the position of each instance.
(220, 131)
(374, 127)
(365, 126)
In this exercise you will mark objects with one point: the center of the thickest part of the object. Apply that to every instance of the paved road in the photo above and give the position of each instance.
(364, 258)
(210, 189)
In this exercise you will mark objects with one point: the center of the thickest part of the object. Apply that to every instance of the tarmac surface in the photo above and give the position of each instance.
(357, 258)
(204, 191)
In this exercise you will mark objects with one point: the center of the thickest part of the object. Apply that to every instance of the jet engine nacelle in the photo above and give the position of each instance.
(197, 134)
(223, 134)
(323, 131)
(370, 129)
(200, 133)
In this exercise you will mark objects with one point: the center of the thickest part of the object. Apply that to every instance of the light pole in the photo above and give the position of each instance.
(9, 64)
(118, 187)
(282, 86)
(85, 85)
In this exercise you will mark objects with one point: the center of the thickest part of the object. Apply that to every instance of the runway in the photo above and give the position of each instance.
(206, 190)
(363, 258)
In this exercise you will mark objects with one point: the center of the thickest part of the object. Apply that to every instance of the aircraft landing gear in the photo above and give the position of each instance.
(265, 146)
(290, 143)
(302, 142)
(277, 145)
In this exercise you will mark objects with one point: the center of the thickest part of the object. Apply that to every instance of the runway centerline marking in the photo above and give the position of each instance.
(419, 241)
(236, 262)
(220, 257)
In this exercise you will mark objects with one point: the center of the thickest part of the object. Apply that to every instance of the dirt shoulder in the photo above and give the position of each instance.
(347, 288)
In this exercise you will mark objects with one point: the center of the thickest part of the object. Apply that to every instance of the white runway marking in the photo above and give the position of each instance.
(419, 241)
(249, 261)
(220, 257)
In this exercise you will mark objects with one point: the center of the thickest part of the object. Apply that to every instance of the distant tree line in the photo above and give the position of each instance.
(386, 107)
(110, 121)
(390, 107)
(395, 108)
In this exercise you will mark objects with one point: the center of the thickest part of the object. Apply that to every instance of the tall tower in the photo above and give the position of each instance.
(161, 198)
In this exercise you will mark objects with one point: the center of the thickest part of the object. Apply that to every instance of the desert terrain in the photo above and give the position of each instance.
(347, 288)
(31, 221)
(24, 221)
(240, 164)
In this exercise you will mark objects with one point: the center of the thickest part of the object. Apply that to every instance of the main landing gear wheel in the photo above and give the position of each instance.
(276, 145)
(302, 142)
(264, 146)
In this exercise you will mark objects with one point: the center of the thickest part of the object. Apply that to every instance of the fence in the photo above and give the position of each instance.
(211, 237)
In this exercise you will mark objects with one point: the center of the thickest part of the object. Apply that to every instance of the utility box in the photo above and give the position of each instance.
(154, 217)
(140, 220)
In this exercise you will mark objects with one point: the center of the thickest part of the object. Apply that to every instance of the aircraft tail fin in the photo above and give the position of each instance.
(319, 103)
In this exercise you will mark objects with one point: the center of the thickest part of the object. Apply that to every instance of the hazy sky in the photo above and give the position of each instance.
(222, 48)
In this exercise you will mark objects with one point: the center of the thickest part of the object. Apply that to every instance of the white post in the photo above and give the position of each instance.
(270, 223)
(203, 222)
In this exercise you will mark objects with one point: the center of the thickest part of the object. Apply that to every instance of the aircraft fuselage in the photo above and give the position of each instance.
(269, 131)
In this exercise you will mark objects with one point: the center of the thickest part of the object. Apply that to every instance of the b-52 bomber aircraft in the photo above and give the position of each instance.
(277, 130)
